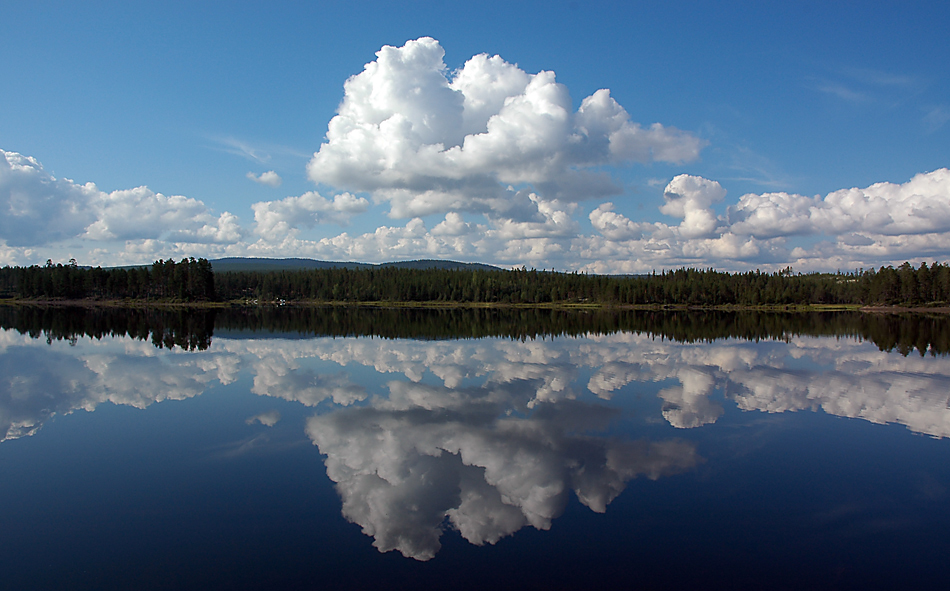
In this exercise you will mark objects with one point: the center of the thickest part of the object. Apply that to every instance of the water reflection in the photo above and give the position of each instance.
(407, 462)
(40, 380)
(424, 453)
(839, 376)
(192, 329)
(487, 435)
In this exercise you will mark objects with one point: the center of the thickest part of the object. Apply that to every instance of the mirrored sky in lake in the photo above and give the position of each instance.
(500, 459)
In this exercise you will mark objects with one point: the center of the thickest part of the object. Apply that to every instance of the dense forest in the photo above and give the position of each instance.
(905, 285)
(193, 280)
(188, 280)
(192, 329)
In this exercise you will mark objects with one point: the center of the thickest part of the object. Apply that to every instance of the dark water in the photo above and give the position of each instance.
(310, 449)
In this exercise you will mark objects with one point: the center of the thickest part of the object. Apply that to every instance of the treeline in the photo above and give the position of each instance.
(189, 280)
(192, 329)
(905, 285)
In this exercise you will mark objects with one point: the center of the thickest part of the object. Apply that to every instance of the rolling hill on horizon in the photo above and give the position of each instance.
(224, 265)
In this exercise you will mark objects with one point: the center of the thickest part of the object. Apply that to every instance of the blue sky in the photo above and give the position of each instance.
(795, 134)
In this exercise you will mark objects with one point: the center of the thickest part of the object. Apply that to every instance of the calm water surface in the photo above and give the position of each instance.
(636, 459)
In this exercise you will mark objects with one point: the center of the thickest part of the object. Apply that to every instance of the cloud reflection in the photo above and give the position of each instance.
(40, 380)
(840, 377)
(484, 436)
(426, 454)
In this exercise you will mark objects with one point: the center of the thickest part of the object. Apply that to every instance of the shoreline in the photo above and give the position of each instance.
(790, 308)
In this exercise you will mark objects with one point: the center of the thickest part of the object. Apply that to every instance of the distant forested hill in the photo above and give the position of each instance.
(445, 265)
(238, 264)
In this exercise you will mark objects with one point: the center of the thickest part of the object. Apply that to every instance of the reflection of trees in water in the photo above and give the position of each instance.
(192, 329)
(189, 329)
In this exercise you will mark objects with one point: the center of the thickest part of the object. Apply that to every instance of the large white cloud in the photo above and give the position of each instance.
(429, 141)
(691, 198)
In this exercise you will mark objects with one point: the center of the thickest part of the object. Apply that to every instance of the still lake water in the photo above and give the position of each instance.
(277, 453)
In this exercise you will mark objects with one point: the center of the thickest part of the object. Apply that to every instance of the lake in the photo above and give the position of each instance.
(309, 448)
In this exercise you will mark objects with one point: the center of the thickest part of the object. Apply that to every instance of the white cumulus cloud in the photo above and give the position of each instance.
(39, 209)
(269, 178)
(691, 198)
(140, 213)
(885, 223)
(428, 141)
(275, 219)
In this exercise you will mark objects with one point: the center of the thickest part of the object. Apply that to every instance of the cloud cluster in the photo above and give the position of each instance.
(428, 141)
(42, 210)
(486, 163)
(281, 377)
(863, 383)
(39, 209)
(848, 378)
(881, 224)
(919, 206)
(141, 214)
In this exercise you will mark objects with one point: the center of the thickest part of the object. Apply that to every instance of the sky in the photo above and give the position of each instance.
(602, 137)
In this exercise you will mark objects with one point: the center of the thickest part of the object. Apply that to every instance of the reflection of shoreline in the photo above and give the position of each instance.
(192, 328)
(165, 326)
(905, 310)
